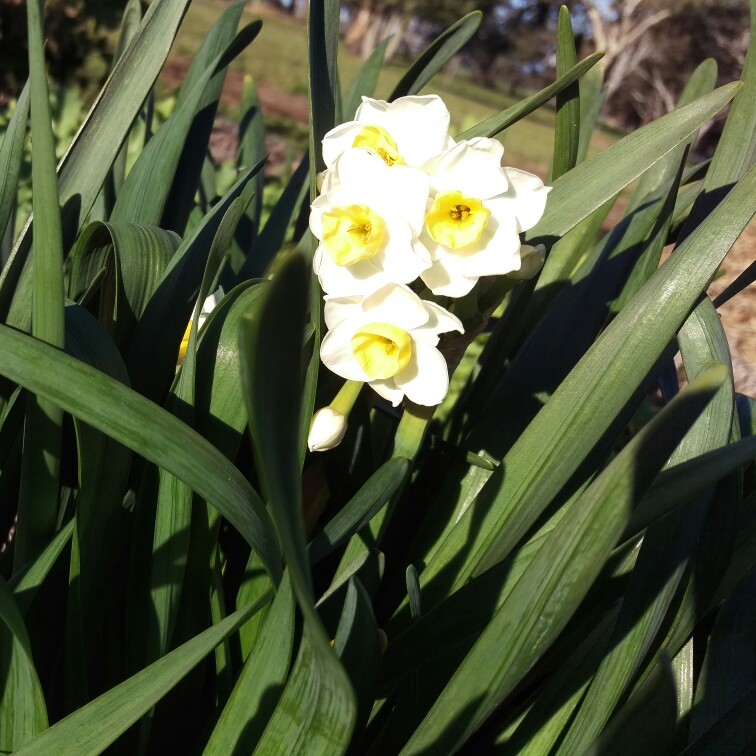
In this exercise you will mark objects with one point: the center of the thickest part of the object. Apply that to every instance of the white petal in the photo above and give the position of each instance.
(339, 139)
(338, 308)
(441, 320)
(526, 197)
(404, 258)
(442, 283)
(318, 207)
(472, 167)
(342, 280)
(387, 390)
(362, 178)
(419, 124)
(395, 304)
(426, 379)
(336, 352)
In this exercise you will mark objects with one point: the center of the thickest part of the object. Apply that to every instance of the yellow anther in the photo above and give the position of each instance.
(352, 233)
(382, 350)
(456, 221)
(378, 140)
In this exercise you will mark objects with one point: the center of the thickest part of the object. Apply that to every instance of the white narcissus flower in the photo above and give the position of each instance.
(389, 340)
(368, 220)
(477, 210)
(327, 429)
(408, 131)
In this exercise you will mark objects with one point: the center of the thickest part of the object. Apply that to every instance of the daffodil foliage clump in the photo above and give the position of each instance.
(530, 532)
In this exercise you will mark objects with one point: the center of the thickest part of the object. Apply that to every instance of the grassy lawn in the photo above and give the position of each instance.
(277, 58)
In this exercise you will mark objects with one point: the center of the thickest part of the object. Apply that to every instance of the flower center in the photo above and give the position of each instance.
(382, 350)
(378, 140)
(456, 221)
(352, 233)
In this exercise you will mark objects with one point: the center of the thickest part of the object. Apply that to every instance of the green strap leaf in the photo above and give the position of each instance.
(11, 156)
(22, 705)
(585, 188)
(366, 80)
(498, 123)
(145, 428)
(92, 728)
(40, 465)
(558, 578)
(374, 494)
(254, 697)
(437, 55)
(567, 130)
(91, 155)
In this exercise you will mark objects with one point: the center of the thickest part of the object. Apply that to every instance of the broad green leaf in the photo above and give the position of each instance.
(143, 427)
(646, 723)
(22, 704)
(146, 191)
(365, 82)
(270, 347)
(11, 155)
(92, 728)
(315, 715)
(588, 186)
(189, 167)
(437, 55)
(125, 261)
(151, 354)
(357, 645)
(374, 494)
(253, 699)
(649, 259)
(27, 581)
(173, 513)
(567, 129)
(576, 417)
(557, 700)
(727, 673)
(666, 548)
(496, 124)
(324, 97)
(40, 464)
(103, 468)
(702, 82)
(91, 155)
(732, 734)
(273, 233)
(679, 483)
(250, 150)
(591, 100)
(558, 578)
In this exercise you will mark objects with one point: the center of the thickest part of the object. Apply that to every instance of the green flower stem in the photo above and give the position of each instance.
(347, 396)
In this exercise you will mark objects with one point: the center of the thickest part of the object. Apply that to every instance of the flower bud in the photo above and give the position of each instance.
(327, 428)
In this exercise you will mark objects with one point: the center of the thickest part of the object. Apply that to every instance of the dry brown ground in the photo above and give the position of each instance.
(738, 315)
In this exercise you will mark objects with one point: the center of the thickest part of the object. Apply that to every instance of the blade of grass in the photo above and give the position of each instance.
(40, 465)
(556, 580)
(567, 129)
(253, 699)
(145, 428)
(22, 705)
(92, 152)
(11, 155)
(437, 55)
(498, 123)
(585, 188)
(91, 729)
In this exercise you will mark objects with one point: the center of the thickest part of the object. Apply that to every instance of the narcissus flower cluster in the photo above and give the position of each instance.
(401, 201)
